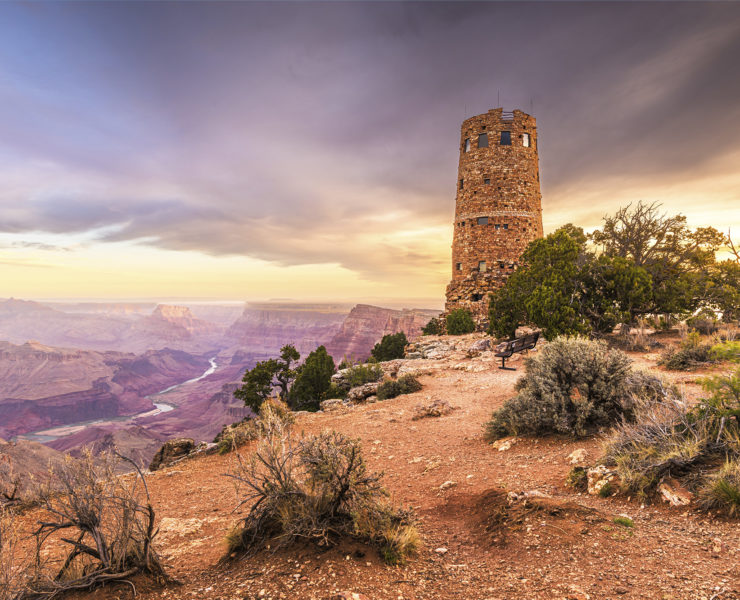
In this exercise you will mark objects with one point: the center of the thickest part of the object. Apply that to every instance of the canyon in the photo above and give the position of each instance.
(132, 375)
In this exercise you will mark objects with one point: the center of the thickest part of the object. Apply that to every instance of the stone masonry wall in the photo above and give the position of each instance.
(498, 209)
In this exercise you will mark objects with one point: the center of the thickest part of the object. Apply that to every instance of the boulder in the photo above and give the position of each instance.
(332, 404)
(172, 451)
(600, 477)
(359, 393)
(480, 345)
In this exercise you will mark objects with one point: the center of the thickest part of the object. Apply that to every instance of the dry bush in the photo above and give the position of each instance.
(437, 408)
(98, 526)
(690, 354)
(273, 411)
(670, 439)
(573, 386)
(10, 485)
(14, 566)
(318, 489)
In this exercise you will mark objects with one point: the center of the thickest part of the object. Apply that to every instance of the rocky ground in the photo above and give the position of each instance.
(564, 546)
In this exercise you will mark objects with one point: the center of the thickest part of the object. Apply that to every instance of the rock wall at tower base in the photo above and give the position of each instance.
(473, 294)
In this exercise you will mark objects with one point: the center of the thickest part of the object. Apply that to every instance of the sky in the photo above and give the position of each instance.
(237, 150)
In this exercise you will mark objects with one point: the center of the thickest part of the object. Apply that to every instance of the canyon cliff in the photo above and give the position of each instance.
(366, 325)
(264, 328)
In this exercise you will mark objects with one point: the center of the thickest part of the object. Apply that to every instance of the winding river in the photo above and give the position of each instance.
(49, 435)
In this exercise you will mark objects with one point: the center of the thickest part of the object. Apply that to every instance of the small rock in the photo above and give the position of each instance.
(504, 444)
(447, 485)
(441, 550)
(717, 546)
(578, 457)
(349, 596)
(599, 477)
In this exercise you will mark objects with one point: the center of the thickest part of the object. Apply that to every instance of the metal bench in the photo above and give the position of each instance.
(507, 349)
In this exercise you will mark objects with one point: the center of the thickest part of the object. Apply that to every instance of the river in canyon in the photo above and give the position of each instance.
(49, 435)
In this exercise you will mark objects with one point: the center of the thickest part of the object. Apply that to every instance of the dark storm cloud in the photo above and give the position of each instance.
(281, 131)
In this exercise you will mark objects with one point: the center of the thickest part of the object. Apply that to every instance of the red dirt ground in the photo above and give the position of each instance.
(571, 549)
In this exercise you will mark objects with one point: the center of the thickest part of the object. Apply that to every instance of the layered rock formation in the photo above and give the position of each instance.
(264, 328)
(366, 325)
(123, 330)
(175, 323)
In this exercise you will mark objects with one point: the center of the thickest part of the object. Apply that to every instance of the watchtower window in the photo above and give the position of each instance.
(462, 183)
(487, 181)
(458, 266)
(525, 140)
(506, 138)
(482, 220)
(483, 140)
(506, 225)
(498, 226)
(477, 297)
(482, 266)
(466, 145)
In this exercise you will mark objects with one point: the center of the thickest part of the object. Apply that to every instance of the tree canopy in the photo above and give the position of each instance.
(313, 381)
(641, 262)
(390, 347)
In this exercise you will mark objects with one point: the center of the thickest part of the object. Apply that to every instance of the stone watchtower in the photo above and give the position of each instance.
(498, 209)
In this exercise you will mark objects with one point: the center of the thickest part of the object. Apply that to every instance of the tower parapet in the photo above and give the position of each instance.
(498, 209)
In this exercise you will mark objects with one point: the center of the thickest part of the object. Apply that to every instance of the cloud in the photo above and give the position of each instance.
(325, 133)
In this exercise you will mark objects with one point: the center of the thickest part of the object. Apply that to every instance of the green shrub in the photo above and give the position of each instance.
(390, 347)
(406, 384)
(319, 490)
(577, 479)
(435, 326)
(729, 350)
(362, 374)
(572, 386)
(623, 521)
(460, 322)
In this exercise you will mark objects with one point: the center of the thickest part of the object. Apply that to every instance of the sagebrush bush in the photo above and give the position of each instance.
(572, 386)
(459, 322)
(406, 384)
(318, 489)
